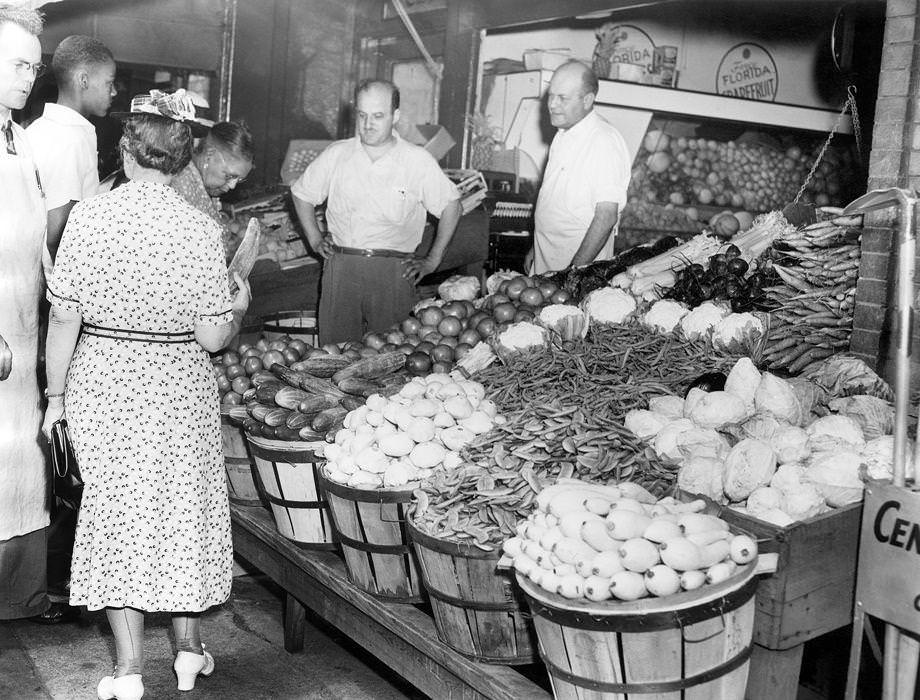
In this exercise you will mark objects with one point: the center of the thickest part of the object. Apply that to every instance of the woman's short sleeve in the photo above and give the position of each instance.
(64, 284)
(214, 306)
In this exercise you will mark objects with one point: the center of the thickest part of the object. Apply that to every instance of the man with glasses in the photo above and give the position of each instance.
(63, 140)
(584, 185)
(23, 508)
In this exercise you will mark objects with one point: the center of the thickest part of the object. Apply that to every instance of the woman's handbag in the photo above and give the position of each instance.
(66, 483)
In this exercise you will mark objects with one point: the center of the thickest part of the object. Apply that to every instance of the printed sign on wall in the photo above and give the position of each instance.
(623, 51)
(747, 71)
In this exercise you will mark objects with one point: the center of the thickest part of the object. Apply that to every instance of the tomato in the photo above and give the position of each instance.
(486, 327)
(497, 299)
(388, 347)
(231, 398)
(450, 341)
(426, 329)
(515, 287)
(476, 318)
(523, 315)
(375, 341)
(547, 289)
(432, 337)
(503, 287)
(441, 367)
(411, 325)
(234, 371)
(560, 296)
(396, 337)
(469, 306)
(243, 348)
(442, 353)
(450, 325)
(278, 345)
(532, 296)
(318, 352)
(223, 384)
(300, 346)
(368, 352)
(418, 363)
(273, 357)
(503, 312)
(469, 337)
(230, 358)
(413, 340)
(252, 352)
(290, 355)
(220, 371)
(430, 316)
(240, 384)
(424, 346)
(262, 345)
(461, 351)
(252, 365)
(454, 308)
(406, 349)
(352, 354)
(332, 349)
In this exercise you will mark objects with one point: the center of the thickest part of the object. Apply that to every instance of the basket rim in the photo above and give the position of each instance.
(289, 445)
(613, 608)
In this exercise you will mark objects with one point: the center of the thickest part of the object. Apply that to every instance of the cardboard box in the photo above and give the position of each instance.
(434, 138)
(545, 59)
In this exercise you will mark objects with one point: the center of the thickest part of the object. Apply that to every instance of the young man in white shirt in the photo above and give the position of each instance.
(63, 140)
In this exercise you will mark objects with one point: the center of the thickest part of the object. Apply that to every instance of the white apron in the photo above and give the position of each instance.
(22, 236)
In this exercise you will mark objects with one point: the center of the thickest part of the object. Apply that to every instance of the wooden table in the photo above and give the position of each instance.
(402, 636)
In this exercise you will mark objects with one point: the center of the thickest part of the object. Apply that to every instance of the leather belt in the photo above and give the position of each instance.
(372, 252)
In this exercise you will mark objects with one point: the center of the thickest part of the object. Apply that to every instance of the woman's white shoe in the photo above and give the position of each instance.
(128, 687)
(189, 666)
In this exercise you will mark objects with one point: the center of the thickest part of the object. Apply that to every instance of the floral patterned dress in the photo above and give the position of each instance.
(143, 267)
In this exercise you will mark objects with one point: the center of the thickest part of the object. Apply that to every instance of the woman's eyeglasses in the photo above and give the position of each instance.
(229, 177)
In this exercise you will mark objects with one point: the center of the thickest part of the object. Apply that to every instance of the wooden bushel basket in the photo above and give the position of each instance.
(240, 486)
(694, 645)
(478, 611)
(286, 476)
(295, 324)
(370, 527)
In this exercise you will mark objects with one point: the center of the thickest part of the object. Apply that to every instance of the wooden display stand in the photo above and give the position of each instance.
(402, 636)
(810, 594)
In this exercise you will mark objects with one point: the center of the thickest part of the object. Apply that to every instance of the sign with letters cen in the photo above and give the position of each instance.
(747, 71)
(888, 574)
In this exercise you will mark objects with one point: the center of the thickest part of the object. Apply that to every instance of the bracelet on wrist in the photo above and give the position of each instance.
(50, 396)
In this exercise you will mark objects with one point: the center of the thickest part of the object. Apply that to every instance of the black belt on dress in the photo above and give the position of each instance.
(372, 252)
(141, 336)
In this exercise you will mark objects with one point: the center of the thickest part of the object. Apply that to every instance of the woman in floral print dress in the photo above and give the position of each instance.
(143, 274)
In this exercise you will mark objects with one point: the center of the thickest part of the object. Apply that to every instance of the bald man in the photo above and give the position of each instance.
(584, 185)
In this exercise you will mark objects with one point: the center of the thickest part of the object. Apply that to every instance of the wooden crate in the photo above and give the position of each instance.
(812, 591)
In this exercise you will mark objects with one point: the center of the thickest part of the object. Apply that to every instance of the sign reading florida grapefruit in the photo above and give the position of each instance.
(747, 71)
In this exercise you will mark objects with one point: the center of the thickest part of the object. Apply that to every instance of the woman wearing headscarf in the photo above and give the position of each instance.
(139, 297)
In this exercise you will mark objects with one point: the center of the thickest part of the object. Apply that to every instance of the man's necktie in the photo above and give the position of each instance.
(7, 130)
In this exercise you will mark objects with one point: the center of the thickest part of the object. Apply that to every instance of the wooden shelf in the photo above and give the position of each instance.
(402, 636)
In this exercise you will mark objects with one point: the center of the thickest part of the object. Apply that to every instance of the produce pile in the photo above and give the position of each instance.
(749, 174)
(780, 450)
(563, 405)
(390, 442)
(618, 541)
(812, 310)
(306, 392)
(281, 239)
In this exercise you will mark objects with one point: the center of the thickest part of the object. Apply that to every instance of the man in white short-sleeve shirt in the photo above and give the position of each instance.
(63, 140)
(377, 188)
(584, 185)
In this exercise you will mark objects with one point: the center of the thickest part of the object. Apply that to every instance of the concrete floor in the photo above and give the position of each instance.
(64, 662)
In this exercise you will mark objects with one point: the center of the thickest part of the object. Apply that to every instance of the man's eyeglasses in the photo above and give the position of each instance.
(23, 66)
(229, 177)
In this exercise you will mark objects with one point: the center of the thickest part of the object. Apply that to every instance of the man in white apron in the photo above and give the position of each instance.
(584, 185)
(23, 505)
